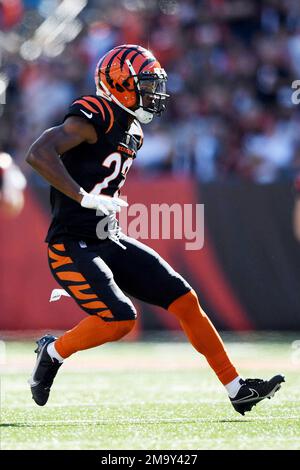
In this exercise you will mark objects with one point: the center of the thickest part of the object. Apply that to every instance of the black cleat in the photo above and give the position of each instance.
(44, 372)
(253, 391)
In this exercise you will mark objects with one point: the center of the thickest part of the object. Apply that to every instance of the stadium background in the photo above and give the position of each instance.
(230, 139)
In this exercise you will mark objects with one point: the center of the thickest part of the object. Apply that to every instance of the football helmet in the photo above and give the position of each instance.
(132, 77)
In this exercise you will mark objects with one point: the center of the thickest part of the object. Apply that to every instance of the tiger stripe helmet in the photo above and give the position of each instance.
(132, 77)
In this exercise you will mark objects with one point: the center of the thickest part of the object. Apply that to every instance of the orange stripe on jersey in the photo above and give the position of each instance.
(86, 105)
(59, 247)
(111, 116)
(96, 102)
(71, 276)
(59, 260)
(54, 256)
(105, 314)
(76, 291)
(95, 304)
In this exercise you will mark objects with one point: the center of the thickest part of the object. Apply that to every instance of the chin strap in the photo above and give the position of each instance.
(143, 116)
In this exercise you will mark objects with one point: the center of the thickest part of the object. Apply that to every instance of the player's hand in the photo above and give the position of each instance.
(105, 204)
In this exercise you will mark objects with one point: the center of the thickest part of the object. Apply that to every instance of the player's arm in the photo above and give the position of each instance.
(44, 157)
(44, 153)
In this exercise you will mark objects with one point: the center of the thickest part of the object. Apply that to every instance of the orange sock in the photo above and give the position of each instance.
(203, 335)
(91, 332)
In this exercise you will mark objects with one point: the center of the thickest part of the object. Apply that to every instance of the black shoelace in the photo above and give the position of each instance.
(253, 381)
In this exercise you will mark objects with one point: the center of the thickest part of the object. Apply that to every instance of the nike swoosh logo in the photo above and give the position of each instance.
(32, 383)
(88, 115)
(254, 394)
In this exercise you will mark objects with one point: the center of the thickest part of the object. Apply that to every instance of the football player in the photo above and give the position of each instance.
(86, 160)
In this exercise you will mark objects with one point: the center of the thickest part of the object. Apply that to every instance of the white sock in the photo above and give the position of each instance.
(53, 353)
(233, 387)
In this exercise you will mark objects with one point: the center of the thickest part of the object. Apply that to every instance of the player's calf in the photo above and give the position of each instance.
(89, 333)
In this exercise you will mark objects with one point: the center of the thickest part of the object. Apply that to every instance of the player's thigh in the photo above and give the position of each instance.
(88, 279)
(142, 273)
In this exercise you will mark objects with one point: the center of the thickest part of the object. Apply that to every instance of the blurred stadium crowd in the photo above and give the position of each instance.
(230, 64)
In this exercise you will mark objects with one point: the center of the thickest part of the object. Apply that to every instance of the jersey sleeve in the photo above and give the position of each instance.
(94, 110)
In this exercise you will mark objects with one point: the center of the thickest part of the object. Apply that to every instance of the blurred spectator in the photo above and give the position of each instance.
(270, 151)
(11, 12)
(156, 150)
(230, 63)
(12, 185)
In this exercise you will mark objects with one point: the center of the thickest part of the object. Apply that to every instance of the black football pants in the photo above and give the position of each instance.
(98, 274)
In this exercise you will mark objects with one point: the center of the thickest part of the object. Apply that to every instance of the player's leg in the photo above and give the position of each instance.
(90, 282)
(142, 273)
(243, 394)
(88, 279)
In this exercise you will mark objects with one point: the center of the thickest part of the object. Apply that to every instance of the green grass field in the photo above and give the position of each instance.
(150, 395)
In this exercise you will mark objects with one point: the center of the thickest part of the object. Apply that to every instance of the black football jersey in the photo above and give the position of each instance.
(100, 168)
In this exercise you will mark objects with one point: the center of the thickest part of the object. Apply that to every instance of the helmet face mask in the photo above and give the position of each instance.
(152, 88)
(130, 76)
